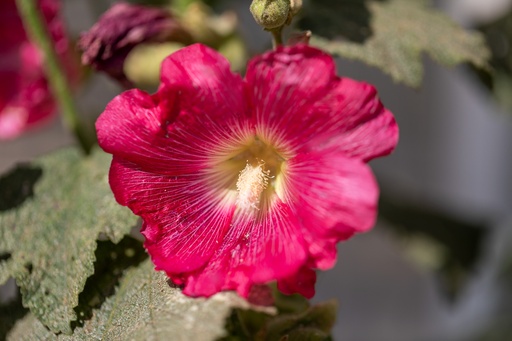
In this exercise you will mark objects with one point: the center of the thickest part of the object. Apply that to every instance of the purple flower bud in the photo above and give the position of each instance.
(107, 44)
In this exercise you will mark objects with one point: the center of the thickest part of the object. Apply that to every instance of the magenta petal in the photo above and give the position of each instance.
(333, 195)
(283, 84)
(176, 131)
(254, 252)
(331, 188)
(301, 103)
(302, 282)
(183, 223)
(323, 252)
(198, 79)
(359, 124)
(274, 247)
(130, 127)
(354, 120)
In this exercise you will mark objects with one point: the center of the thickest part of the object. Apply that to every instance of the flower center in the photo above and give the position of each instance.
(251, 183)
(251, 172)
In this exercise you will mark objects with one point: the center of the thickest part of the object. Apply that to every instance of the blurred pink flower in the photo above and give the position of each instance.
(244, 181)
(25, 99)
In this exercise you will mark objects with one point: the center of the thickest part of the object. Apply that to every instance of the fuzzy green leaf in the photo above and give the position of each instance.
(145, 307)
(51, 214)
(315, 323)
(392, 35)
(499, 37)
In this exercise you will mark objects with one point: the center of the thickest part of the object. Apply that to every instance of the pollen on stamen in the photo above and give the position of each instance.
(252, 181)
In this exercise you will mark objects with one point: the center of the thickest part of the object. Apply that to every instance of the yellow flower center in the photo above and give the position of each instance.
(250, 185)
(250, 174)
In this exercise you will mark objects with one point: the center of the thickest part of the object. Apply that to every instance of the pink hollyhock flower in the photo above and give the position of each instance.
(25, 99)
(244, 181)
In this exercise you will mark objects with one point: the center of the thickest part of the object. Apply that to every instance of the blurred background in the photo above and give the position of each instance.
(438, 265)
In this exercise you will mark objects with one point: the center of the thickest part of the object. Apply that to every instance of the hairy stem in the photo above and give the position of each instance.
(277, 36)
(36, 28)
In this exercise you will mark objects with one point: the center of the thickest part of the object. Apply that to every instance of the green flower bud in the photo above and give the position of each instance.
(270, 13)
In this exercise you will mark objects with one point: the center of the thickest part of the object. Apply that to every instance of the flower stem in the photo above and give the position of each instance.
(277, 36)
(34, 24)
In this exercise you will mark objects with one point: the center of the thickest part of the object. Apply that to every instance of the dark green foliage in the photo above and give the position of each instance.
(392, 35)
(48, 236)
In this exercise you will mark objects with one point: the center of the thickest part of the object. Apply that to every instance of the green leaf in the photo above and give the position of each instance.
(392, 35)
(313, 324)
(307, 334)
(145, 307)
(30, 328)
(51, 215)
(499, 38)
(295, 303)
